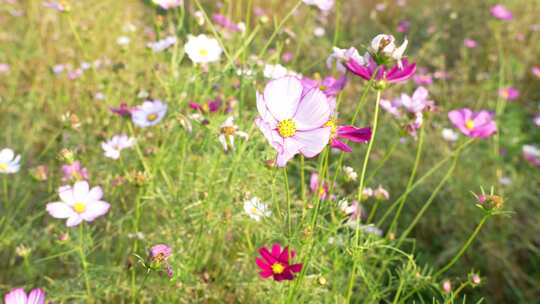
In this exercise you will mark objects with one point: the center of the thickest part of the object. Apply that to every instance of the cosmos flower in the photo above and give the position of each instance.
(150, 113)
(210, 107)
(167, 4)
(330, 86)
(74, 171)
(202, 49)
(500, 12)
(4, 68)
(123, 40)
(509, 93)
(473, 124)
(9, 162)
(338, 134)
(470, 43)
(350, 174)
(58, 6)
(19, 296)
(381, 194)
(78, 203)
(162, 44)
(414, 106)
(341, 56)
(160, 253)
(122, 110)
(276, 263)
(256, 209)
(403, 26)
(536, 71)
(228, 131)
(276, 71)
(531, 154)
(314, 185)
(323, 5)
(383, 45)
(423, 79)
(116, 144)
(291, 121)
(225, 22)
(449, 135)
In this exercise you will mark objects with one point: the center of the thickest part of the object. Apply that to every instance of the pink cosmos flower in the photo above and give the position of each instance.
(423, 77)
(509, 93)
(160, 252)
(74, 171)
(500, 11)
(536, 71)
(531, 154)
(287, 57)
(536, 120)
(210, 107)
(225, 22)
(473, 124)
(293, 121)
(470, 43)
(314, 186)
(276, 263)
(352, 133)
(55, 5)
(19, 296)
(167, 4)
(403, 26)
(122, 110)
(78, 203)
(330, 86)
(392, 75)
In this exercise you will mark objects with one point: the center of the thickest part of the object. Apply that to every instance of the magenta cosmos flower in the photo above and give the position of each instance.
(293, 121)
(276, 263)
(19, 296)
(78, 203)
(500, 11)
(210, 107)
(509, 93)
(473, 124)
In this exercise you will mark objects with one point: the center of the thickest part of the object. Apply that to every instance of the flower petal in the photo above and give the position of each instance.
(60, 210)
(80, 191)
(313, 111)
(16, 296)
(282, 96)
(74, 220)
(36, 296)
(95, 210)
(314, 141)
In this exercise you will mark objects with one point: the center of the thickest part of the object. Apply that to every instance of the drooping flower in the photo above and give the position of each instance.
(509, 93)
(79, 203)
(116, 144)
(19, 296)
(531, 154)
(74, 171)
(323, 5)
(256, 209)
(150, 113)
(383, 47)
(276, 263)
(330, 86)
(500, 12)
(473, 124)
(291, 121)
(9, 162)
(162, 44)
(381, 194)
(168, 4)
(470, 43)
(203, 49)
(316, 187)
(228, 131)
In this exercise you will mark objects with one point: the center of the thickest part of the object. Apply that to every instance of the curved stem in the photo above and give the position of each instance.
(84, 263)
(411, 180)
(464, 247)
(361, 189)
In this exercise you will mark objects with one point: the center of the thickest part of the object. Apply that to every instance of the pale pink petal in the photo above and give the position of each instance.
(80, 191)
(74, 220)
(282, 96)
(291, 147)
(421, 93)
(313, 141)
(94, 210)
(263, 111)
(15, 296)
(95, 194)
(66, 194)
(59, 210)
(313, 111)
(36, 296)
(271, 136)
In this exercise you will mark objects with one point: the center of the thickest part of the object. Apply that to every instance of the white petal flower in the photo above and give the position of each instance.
(116, 144)
(149, 113)
(256, 209)
(449, 135)
(202, 49)
(9, 162)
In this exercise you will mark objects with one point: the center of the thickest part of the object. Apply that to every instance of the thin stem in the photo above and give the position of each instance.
(411, 180)
(84, 263)
(302, 179)
(464, 247)
(6, 193)
(361, 188)
(286, 180)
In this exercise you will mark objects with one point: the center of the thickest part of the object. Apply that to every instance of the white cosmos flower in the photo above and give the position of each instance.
(123, 40)
(256, 209)
(167, 4)
(385, 44)
(276, 71)
(323, 5)
(9, 163)
(162, 44)
(116, 144)
(150, 113)
(449, 135)
(341, 56)
(350, 173)
(202, 49)
(228, 131)
(78, 203)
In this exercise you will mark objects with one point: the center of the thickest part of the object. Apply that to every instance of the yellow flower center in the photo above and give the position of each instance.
(469, 124)
(3, 167)
(254, 210)
(79, 207)
(333, 127)
(151, 117)
(323, 87)
(203, 52)
(277, 268)
(286, 128)
(229, 131)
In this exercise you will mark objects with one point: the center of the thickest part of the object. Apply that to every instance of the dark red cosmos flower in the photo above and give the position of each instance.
(276, 263)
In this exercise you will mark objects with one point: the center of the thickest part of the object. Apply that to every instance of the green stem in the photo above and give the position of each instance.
(286, 180)
(361, 189)
(464, 247)
(84, 263)
(6, 193)
(411, 180)
(302, 179)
